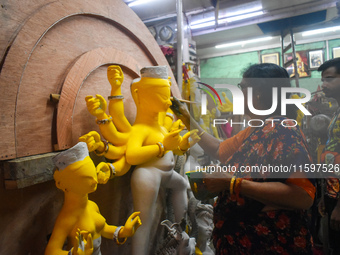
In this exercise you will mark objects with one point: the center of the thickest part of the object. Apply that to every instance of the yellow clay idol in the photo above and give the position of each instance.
(149, 143)
(79, 220)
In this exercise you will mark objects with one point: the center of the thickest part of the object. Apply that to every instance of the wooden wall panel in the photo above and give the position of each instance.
(13, 17)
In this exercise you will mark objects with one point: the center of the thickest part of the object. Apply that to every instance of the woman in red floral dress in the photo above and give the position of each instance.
(261, 212)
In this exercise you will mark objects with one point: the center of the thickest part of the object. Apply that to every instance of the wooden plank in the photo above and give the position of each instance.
(27, 171)
(27, 182)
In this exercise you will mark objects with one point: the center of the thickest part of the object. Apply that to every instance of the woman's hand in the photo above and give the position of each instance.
(181, 111)
(217, 181)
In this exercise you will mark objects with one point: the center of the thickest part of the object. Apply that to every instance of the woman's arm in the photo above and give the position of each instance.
(277, 195)
(209, 143)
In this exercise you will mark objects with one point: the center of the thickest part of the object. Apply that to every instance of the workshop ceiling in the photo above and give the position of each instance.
(274, 16)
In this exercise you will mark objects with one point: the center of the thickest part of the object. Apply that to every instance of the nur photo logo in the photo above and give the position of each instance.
(239, 103)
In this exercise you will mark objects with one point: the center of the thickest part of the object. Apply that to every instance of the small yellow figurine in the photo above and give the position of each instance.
(149, 144)
(79, 220)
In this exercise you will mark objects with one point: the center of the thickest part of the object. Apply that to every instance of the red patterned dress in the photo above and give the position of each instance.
(240, 225)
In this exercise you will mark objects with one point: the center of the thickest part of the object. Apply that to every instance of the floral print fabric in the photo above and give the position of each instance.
(331, 155)
(240, 225)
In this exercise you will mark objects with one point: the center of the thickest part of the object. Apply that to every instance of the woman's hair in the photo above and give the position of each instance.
(264, 77)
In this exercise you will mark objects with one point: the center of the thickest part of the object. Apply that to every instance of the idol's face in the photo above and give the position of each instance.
(79, 178)
(87, 179)
(205, 227)
(158, 98)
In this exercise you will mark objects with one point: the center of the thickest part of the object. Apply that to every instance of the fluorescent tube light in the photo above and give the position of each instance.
(234, 16)
(320, 31)
(138, 2)
(244, 42)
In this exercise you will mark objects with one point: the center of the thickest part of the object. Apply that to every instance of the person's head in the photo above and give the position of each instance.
(263, 78)
(330, 72)
(75, 171)
(152, 90)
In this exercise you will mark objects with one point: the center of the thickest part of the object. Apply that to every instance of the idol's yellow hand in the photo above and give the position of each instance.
(185, 143)
(84, 244)
(115, 75)
(96, 105)
(178, 124)
(103, 172)
(131, 225)
(93, 141)
(172, 140)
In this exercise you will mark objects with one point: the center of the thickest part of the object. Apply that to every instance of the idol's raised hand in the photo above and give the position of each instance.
(96, 105)
(115, 75)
